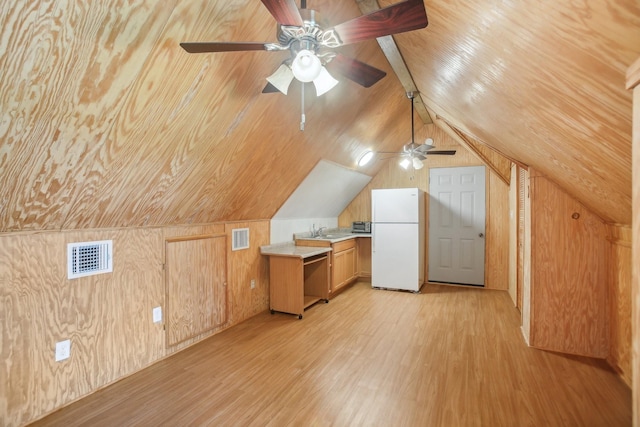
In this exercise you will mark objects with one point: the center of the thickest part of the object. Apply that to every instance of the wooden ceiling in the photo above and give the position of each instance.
(107, 122)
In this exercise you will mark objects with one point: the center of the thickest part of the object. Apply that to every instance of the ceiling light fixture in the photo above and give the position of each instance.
(324, 82)
(282, 78)
(306, 66)
(365, 158)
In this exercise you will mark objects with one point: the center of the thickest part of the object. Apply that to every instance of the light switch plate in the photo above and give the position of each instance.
(63, 350)
(157, 315)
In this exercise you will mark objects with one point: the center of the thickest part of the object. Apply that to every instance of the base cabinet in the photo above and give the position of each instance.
(364, 257)
(297, 283)
(344, 264)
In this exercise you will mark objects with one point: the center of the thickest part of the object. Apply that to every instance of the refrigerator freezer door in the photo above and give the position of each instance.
(395, 256)
(395, 205)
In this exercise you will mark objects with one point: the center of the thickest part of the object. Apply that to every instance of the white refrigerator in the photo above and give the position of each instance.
(397, 238)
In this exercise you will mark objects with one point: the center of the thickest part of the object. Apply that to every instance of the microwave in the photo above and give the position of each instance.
(361, 227)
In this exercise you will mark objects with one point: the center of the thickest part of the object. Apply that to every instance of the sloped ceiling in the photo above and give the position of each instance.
(107, 122)
(324, 193)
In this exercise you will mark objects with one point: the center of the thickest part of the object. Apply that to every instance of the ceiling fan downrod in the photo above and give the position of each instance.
(413, 143)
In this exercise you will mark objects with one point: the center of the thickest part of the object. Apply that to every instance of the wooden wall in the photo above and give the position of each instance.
(620, 263)
(393, 176)
(497, 232)
(513, 235)
(633, 82)
(569, 277)
(108, 318)
(526, 265)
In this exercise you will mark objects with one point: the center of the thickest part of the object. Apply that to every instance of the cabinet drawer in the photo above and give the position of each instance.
(344, 245)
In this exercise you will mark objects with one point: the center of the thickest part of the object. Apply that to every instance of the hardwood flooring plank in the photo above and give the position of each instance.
(450, 356)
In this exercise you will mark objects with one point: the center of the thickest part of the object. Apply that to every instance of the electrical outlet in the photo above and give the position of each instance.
(253, 283)
(157, 314)
(63, 350)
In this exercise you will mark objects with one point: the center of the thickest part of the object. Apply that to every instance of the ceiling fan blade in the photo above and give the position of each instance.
(284, 11)
(442, 152)
(204, 47)
(400, 17)
(424, 148)
(359, 72)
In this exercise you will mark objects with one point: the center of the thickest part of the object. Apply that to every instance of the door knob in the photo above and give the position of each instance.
(481, 235)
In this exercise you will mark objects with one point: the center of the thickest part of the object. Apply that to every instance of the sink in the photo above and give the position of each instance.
(333, 236)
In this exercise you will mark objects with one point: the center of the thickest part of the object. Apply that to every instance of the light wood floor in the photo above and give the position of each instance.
(450, 356)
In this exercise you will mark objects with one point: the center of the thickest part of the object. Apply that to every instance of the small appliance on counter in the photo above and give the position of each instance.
(361, 227)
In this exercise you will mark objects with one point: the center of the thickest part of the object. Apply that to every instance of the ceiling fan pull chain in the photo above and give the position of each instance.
(302, 117)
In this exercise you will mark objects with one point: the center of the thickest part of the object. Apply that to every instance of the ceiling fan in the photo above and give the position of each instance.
(413, 154)
(312, 47)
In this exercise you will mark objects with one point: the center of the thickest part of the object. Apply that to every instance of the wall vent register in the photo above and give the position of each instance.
(240, 239)
(89, 258)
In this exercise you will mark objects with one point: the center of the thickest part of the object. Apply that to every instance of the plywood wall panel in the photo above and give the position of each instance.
(497, 234)
(620, 331)
(513, 238)
(72, 68)
(103, 316)
(569, 278)
(108, 317)
(195, 284)
(246, 265)
(527, 266)
(633, 80)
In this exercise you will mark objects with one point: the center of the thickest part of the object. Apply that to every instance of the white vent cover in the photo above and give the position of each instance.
(89, 258)
(240, 239)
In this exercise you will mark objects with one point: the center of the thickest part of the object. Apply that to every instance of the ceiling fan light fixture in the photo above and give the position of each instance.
(324, 82)
(365, 158)
(282, 78)
(404, 164)
(306, 66)
(417, 163)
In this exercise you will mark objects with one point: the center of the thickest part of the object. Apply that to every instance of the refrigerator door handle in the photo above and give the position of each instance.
(373, 239)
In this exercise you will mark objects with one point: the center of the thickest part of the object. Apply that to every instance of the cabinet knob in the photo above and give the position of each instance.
(481, 235)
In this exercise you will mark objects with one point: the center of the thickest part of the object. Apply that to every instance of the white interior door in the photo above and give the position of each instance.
(457, 225)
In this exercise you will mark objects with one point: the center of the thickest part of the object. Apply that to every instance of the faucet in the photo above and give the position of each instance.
(316, 233)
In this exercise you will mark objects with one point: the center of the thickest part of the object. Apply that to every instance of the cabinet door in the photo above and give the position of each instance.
(344, 268)
(196, 292)
(351, 265)
(338, 270)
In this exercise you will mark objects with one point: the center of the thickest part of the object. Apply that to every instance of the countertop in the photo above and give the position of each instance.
(289, 249)
(300, 251)
(331, 236)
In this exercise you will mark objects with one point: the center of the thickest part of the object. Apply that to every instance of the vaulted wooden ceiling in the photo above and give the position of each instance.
(107, 122)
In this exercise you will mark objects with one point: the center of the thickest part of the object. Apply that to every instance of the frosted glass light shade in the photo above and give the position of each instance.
(405, 163)
(324, 82)
(306, 66)
(281, 79)
(417, 163)
(366, 158)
